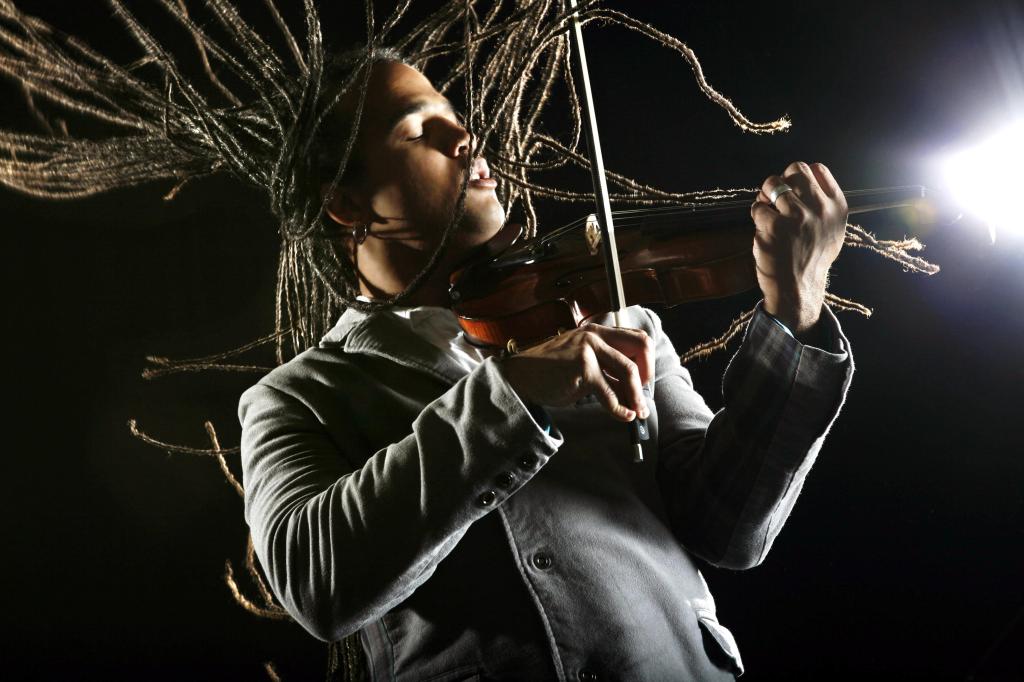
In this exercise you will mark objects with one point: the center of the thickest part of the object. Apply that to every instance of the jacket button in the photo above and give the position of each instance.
(486, 499)
(505, 480)
(588, 676)
(527, 461)
(543, 560)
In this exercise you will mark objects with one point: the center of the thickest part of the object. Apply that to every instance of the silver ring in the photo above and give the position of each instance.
(781, 189)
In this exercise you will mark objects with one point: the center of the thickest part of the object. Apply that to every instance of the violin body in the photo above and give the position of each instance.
(669, 256)
(565, 282)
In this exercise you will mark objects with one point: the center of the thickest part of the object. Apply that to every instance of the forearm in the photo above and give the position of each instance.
(341, 546)
(730, 486)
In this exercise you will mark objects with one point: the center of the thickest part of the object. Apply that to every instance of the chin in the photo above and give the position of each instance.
(482, 220)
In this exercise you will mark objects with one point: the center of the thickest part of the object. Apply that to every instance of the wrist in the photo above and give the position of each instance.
(536, 410)
(817, 335)
(513, 376)
(798, 312)
(799, 323)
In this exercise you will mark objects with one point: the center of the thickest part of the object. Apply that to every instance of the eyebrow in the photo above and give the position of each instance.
(417, 107)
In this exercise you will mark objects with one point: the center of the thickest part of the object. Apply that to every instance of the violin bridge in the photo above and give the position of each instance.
(592, 233)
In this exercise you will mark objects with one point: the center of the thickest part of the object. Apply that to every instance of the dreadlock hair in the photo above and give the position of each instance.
(269, 117)
(338, 160)
(329, 140)
(332, 160)
(272, 113)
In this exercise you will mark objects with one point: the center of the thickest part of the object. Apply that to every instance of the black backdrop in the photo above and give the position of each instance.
(904, 555)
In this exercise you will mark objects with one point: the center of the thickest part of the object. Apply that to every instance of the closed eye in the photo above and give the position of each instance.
(459, 119)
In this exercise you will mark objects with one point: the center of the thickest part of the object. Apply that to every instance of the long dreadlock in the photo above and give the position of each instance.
(270, 126)
(270, 117)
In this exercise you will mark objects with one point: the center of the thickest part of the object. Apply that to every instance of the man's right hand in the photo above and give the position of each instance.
(613, 363)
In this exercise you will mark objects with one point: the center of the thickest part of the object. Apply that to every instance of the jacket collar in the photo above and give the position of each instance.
(385, 334)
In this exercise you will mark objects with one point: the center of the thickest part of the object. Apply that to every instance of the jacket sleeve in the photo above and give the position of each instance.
(342, 546)
(730, 479)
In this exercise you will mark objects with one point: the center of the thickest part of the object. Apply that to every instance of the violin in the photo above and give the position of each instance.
(527, 292)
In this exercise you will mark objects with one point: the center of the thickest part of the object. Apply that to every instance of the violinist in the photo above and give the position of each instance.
(466, 514)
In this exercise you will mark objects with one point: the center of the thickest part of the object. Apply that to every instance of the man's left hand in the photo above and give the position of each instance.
(796, 241)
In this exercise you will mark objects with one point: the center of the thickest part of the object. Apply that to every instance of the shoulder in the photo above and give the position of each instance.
(300, 379)
(647, 320)
(634, 317)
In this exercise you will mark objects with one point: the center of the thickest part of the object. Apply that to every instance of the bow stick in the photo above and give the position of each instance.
(638, 427)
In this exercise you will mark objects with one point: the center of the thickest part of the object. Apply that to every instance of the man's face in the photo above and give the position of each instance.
(414, 153)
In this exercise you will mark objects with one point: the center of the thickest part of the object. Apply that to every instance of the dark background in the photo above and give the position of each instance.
(904, 556)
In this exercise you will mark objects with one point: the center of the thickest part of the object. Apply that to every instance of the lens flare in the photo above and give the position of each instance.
(987, 180)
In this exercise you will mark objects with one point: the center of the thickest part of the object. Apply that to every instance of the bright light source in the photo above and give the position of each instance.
(987, 180)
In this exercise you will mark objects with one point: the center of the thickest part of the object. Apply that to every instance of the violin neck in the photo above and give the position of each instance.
(694, 216)
(700, 215)
(866, 200)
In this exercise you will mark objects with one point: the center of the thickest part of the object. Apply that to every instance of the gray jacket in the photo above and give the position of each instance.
(391, 492)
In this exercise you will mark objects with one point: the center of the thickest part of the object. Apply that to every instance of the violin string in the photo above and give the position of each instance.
(510, 59)
(642, 216)
(257, 112)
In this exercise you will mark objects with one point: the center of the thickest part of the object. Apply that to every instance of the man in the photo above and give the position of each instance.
(479, 517)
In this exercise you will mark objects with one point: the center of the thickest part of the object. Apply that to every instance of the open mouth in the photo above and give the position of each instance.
(480, 175)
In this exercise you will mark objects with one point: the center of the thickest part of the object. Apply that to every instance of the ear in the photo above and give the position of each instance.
(345, 207)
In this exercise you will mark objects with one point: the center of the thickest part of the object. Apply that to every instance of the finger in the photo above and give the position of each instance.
(595, 381)
(786, 202)
(765, 216)
(635, 344)
(828, 184)
(825, 180)
(761, 209)
(627, 386)
(800, 177)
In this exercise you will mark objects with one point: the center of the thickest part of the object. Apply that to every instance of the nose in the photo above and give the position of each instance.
(459, 141)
